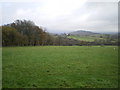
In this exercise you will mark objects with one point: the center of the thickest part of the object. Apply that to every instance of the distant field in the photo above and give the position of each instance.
(85, 38)
(60, 67)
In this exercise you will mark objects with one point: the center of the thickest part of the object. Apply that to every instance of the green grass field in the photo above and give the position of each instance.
(85, 38)
(60, 67)
(89, 38)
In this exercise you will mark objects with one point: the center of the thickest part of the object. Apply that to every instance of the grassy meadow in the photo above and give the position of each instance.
(85, 38)
(60, 67)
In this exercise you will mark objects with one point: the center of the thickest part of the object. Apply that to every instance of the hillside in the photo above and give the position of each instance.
(93, 37)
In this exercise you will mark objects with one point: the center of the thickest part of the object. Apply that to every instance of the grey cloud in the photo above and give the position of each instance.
(95, 16)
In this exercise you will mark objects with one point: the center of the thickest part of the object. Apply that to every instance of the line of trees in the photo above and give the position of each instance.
(26, 33)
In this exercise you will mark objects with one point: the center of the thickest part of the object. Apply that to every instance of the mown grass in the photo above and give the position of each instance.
(0, 67)
(60, 67)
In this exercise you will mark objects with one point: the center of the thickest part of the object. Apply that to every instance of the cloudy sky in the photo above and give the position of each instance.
(59, 16)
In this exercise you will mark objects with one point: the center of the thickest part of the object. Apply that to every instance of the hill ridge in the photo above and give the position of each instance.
(82, 32)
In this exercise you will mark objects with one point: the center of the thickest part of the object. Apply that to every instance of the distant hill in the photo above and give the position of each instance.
(82, 33)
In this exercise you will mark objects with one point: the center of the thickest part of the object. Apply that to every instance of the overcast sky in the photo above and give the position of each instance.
(64, 15)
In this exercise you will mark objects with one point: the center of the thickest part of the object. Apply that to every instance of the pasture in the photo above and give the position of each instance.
(85, 38)
(60, 67)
